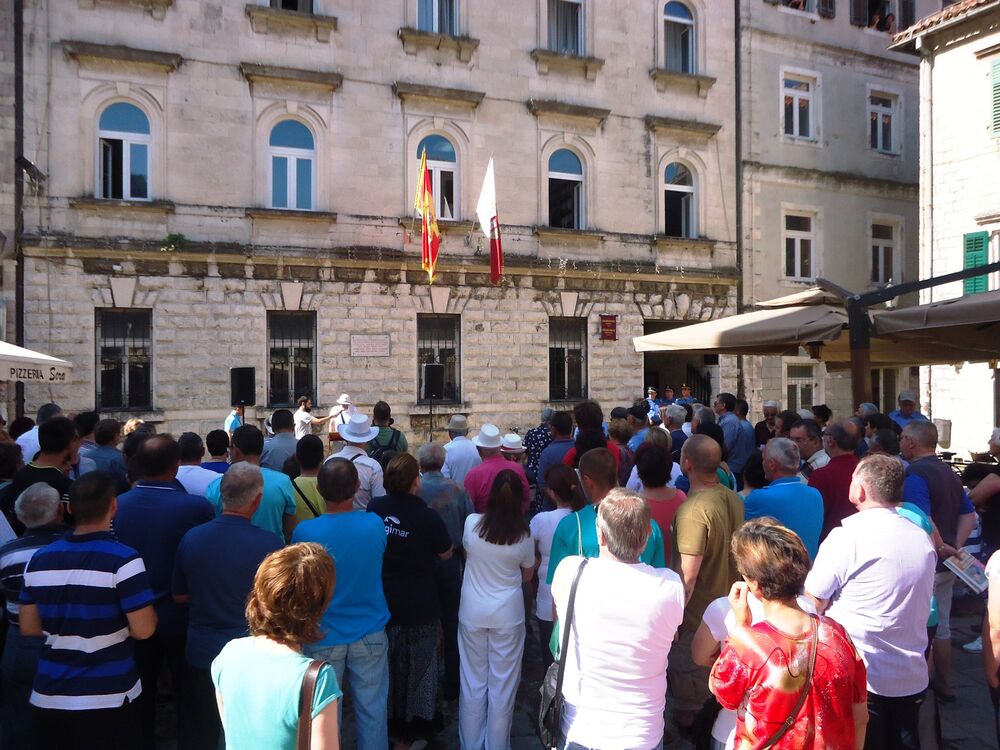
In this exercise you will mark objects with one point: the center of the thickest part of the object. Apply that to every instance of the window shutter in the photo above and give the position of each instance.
(976, 253)
(859, 12)
(995, 103)
(907, 15)
(827, 8)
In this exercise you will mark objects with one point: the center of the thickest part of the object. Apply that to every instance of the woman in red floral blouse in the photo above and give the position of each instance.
(764, 668)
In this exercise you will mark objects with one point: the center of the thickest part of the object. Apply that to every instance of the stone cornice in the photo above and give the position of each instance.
(669, 79)
(444, 226)
(414, 39)
(107, 205)
(156, 8)
(291, 214)
(592, 115)
(988, 217)
(264, 18)
(117, 53)
(463, 97)
(554, 235)
(546, 60)
(803, 174)
(702, 130)
(254, 72)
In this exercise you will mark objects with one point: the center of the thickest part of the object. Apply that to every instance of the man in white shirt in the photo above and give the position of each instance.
(357, 433)
(874, 574)
(191, 473)
(29, 440)
(304, 420)
(461, 454)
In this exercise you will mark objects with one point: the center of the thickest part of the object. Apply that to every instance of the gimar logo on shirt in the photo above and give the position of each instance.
(392, 527)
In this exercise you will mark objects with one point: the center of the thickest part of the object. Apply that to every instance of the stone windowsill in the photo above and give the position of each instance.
(568, 236)
(700, 244)
(669, 79)
(591, 115)
(291, 214)
(445, 226)
(988, 217)
(461, 97)
(155, 416)
(546, 60)
(156, 8)
(118, 53)
(415, 39)
(107, 205)
(693, 128)
(423, 408)
(254, 72)
(263, 19)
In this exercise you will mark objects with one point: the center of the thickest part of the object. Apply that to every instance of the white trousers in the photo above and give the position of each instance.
(490, 673)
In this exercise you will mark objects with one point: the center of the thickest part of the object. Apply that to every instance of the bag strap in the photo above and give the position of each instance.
(783, 729)
(305, 499)
(579, 535)
(566, 626)
(304, 738)
(394, 439)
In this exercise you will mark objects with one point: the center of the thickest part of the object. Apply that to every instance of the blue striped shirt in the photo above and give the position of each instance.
(14, 556)
(83, 586)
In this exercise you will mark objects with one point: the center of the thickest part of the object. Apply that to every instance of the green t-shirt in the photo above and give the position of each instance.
(566, 541)
(310, 489)
(384, 439)
(260, 694)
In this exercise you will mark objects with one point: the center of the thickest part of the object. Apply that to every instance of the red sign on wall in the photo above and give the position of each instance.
(609, 328)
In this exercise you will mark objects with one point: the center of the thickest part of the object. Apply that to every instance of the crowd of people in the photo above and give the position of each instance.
(777, 584)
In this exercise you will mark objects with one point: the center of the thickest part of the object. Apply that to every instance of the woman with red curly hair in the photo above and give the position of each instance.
(258, 680)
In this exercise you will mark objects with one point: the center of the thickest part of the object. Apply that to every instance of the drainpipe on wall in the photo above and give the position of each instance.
(18, 192)
(926, 241)
(738, 124)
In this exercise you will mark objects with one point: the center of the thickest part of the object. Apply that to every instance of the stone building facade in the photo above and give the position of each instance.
(959, 195)
(230, 184)
(830, 181)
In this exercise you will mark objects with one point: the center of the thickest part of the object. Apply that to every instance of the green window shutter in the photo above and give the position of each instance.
(995, 101)
(976, 253)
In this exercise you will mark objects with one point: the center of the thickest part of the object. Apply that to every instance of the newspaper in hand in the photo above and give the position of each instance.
(969, 570)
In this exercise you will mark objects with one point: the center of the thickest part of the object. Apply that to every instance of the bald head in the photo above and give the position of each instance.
(702, 454)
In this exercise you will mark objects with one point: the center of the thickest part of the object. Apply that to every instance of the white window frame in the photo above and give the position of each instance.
(128, 140)
(894, 246)
(808, 10)
(799, 235)
(895, 112)
(813, 97)
(692, 190)
(581, 28)
(582, 179)
(435, 167)
(692, 38)
(436, 16)
(291, 155)
(817, 382)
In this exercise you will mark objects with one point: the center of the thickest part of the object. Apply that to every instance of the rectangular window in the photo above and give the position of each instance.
(799, 241)
(976, 252)
(299, 6)
(881, 122)
(124, 164)
(291, 346)
(292, 182)
(566, 26)
(439, 342)
(567, 358)
(798, 106)
(806, 6)
(438, 16)
(884, 388)
(800, 386)
(124, 345)
(995, 99)
(883, 258)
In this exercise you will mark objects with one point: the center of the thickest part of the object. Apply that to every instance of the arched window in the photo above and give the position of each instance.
(292, 157)
(442, 163)
(678, 38)
(565, 190)
(678, 202)
(123, 159)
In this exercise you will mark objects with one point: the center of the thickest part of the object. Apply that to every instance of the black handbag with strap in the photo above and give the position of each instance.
(553, 705)
(304, 736)
(790, 721)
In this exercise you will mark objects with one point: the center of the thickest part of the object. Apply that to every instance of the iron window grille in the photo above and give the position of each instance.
(439, 342)
(124, 359)
(291, 367)
(567, 358)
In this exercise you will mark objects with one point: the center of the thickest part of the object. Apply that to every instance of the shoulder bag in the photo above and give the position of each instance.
(550, 712)
(304, 738)
(790, 721)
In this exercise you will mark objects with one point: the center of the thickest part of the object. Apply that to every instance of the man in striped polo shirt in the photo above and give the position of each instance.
(41, 512)
(89, 596)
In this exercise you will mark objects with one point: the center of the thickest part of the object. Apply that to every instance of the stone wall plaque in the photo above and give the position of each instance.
(370, 345)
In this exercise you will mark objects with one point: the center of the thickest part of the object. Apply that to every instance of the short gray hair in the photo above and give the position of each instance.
(677, 414)
(624, 520)
(241, 483)
(995, 437)
(704, 415)
(783, 452)
(431, 456)
(867, 408)
(37, 506)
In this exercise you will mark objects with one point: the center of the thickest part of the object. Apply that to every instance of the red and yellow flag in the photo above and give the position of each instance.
(423, 203)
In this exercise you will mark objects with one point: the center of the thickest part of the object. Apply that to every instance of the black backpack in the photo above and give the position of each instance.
(384, 453)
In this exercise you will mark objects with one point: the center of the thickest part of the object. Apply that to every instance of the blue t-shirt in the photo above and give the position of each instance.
(278, 501)
(83, 586)
(260, 694)
(152, 518)
(913, 514)
(217, 466)
(232, 423)
(795, 504)
(356, 542)
(636, 440)
(14, 557)
(216, 565)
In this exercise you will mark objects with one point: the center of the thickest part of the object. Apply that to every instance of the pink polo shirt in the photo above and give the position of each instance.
(479, 481)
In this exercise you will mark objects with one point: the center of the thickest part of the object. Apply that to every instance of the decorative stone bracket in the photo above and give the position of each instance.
(546, 60)
(264, 19)
(669, 79)
(415, 39)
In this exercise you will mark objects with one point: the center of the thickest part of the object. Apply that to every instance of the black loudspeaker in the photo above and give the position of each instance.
(243, 386)
(434, 381)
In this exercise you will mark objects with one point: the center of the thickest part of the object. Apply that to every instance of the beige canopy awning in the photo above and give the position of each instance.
(18, 363)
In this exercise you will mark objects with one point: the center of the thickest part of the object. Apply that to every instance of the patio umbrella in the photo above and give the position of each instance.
(17, 363)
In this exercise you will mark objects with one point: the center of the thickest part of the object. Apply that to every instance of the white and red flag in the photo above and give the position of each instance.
(489, 220)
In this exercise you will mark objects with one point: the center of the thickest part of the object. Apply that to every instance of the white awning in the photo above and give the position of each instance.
(17, 363)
